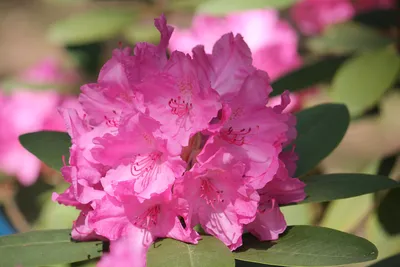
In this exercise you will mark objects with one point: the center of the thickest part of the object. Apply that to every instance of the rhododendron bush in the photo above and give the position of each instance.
(188, 151)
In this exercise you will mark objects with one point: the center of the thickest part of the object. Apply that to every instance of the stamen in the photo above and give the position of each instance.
(210, 193)
(179, 106)
(235, 137)
(148, 218)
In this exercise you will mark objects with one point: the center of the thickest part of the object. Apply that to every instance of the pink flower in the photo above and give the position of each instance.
(313, 16)
(23, 112)
(49, 71)
(165, 144)
(282, 189)
(272, 41)
(220, 199)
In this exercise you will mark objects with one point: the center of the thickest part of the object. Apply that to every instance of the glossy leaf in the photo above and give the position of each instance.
(393, 261)
(92, 26)
(321, 71)
(328, 187)
(308, 246)
(45, 248)
(346, 38)
(362, 80)
(319, 130)
(48, 146)
(209, 252)
(223, 7)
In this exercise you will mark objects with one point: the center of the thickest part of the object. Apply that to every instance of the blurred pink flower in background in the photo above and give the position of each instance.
(23, 111)
(49, 71)
(313, 16)
(272, 41)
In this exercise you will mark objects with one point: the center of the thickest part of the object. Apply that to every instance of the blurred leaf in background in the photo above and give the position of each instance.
(91, 27)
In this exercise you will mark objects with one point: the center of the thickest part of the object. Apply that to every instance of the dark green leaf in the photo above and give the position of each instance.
(48, 146)
(346, 38)
(393, 261)
(92, 26)
(328, 187)
(380, 18)
(321, 71)
(45, 248)
(362, 80)
(209, 252)
(319, 130)
(389, 212)
(308, 246)
(223, 7)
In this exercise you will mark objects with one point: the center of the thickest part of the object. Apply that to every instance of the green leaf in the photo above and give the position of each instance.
(346, 38)
(209, 252)
(329, 187)
(141, 33)
(379, 18)
(362, 80)
(45, 248)
(393, 261)
(319, 130)
(48, 146)
(321, 71)
(223, 7)
(92, 26)
(308, 246)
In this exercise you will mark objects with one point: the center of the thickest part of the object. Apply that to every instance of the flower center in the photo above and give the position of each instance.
(210, 193)
(235, 137)
(148, 218)
(179, 106)
(146, 167)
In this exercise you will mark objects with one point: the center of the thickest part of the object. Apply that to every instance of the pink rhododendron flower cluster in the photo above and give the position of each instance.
(23, 111)
(167, 143)
(313, 16)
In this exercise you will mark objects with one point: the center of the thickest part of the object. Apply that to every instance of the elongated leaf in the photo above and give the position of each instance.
(223, 7)
(393, 261)
(321, 71)
(362, 80)
(45, 248)
(328, 187)
(92, 26)
(209, 252)
(319, 130)
(308, 246)
(346, 38)
(379, 18)
(48, 146)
